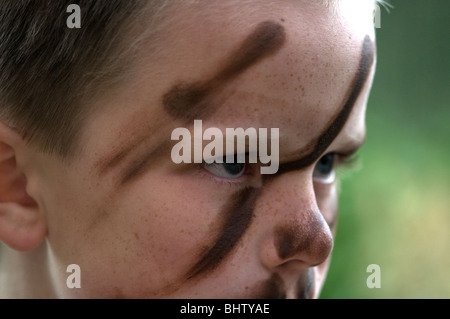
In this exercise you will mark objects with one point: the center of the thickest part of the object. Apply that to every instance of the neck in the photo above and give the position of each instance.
(25, 274)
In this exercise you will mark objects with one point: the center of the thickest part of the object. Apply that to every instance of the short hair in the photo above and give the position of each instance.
(49, 71)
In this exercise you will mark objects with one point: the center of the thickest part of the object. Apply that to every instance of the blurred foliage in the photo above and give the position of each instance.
(395, 210)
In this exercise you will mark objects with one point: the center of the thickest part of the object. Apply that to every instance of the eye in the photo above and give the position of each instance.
(226, 170)
(324, 170)
(229, 169)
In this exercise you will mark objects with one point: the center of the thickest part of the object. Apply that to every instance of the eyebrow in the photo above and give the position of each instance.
(332, 131)
(188, 101)
(240, 212)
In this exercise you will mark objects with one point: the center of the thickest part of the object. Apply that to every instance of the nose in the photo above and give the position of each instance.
(296, 236)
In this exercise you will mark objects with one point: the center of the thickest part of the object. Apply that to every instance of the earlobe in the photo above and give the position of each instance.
(22, 224)
(21, 228)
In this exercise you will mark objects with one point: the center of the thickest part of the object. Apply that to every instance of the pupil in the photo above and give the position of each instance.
(233, 168)
(326, 164)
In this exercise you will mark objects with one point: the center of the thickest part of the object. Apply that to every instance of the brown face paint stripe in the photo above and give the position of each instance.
(189, 101)
(273, 288)
(140, 166)
(123, 148)
(103, 166)
(240, 211)
(328, 136)
(238, 217)
(305, 285)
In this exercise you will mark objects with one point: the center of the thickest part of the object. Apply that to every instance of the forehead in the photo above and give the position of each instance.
(310, 69)
(302, 84)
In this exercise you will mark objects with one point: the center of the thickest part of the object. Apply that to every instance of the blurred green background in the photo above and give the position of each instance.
(395, 210)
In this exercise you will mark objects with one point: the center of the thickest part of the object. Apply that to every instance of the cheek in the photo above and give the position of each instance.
(168, 221)
(327, 200)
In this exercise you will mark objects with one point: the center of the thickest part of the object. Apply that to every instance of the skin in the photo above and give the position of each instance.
(141, 226)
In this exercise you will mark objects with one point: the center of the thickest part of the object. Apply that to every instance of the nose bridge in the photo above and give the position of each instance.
(298, 231)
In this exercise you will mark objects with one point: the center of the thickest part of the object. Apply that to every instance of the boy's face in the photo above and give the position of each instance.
(139, 225)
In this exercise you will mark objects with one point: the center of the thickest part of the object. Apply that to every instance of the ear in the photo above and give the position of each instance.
(22, 224)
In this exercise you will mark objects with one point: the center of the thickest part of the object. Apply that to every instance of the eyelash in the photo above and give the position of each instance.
(248, 173)
(345, 162)
(226, 181)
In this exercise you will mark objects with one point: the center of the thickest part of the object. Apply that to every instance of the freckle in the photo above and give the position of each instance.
(136, 235)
